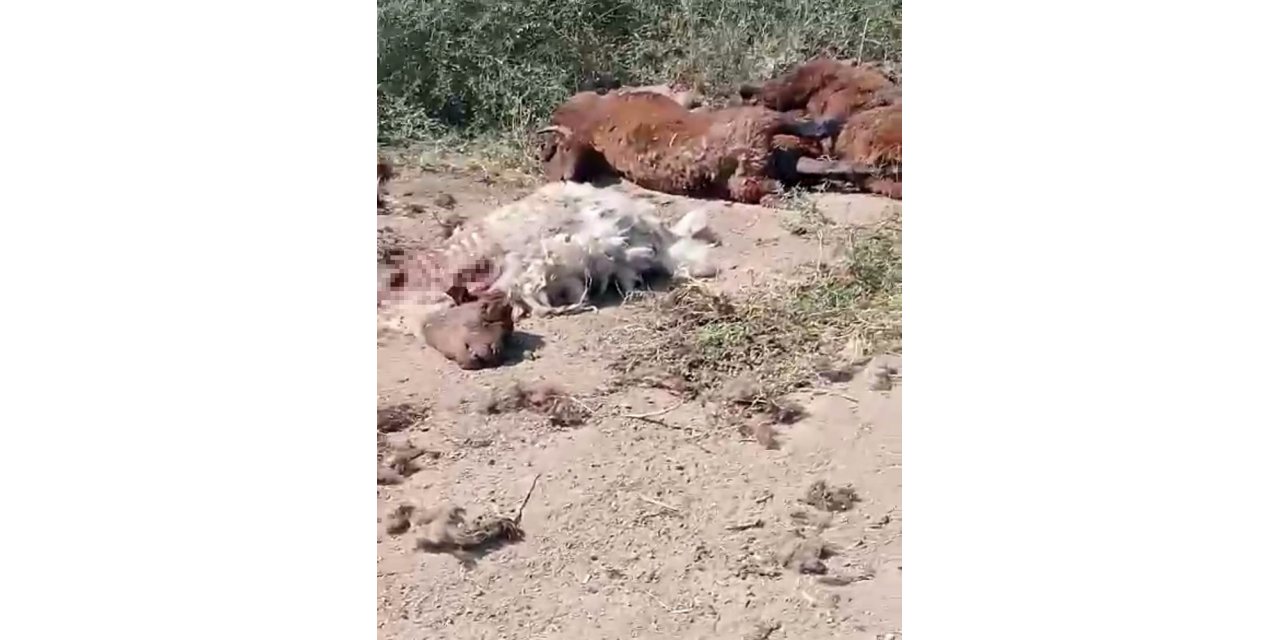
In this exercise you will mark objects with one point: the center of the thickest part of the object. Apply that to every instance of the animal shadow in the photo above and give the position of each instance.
(612, 296)
(519, 345)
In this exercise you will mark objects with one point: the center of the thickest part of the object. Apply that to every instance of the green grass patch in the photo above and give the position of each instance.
(454, 72)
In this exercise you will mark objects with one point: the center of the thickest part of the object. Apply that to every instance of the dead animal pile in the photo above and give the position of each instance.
(868, 150)
(824, 119)
(550, 252)
(658, 143)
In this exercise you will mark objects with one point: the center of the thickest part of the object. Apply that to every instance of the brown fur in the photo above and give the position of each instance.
(826, 88)
(867, 98)
(653, 141)
(807, 147)
(472, 334)
(873, 139)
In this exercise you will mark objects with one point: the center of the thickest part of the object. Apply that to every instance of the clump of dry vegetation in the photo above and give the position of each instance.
(806, 555)
(397, 462)
(397, 522)
(828, 498)
(446, 530)
(799, 214)
(782, 336)
(398, 417)
(560, 408)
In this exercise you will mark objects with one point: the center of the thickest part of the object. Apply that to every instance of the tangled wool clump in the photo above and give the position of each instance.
(567, 242)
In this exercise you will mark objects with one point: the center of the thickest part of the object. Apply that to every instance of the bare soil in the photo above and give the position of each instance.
(666, 526)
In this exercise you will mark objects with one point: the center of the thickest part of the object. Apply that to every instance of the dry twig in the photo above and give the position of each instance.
(658, 503)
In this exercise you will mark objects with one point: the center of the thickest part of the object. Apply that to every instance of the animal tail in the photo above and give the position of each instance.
(827, 128)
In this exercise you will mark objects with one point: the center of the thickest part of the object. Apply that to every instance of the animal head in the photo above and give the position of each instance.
(566, 157)
(474, 333)
(554, 153)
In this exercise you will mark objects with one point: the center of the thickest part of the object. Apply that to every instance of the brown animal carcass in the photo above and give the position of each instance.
(871, 144)
(658, 144)
(869, 147)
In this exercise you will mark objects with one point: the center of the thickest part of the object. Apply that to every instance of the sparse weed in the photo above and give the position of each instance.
(781, 332)
(800, 215)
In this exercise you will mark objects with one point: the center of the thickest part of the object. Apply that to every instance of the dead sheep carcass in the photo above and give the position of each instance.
(551, 252)
(869, 147)
(658, 144)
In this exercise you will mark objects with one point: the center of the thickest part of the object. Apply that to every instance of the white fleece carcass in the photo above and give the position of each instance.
(553, 250)
(567, 242)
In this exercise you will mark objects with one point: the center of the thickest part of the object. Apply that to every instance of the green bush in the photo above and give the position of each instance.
(495, 69)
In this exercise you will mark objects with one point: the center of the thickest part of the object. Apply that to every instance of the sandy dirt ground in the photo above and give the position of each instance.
(668, 527)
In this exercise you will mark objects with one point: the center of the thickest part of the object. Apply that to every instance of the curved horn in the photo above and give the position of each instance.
(555, 128)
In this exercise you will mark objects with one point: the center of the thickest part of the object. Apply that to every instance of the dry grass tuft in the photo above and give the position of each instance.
(398, 519)
(800, 216)
(445, 530)
(398, 417)
(755, 349)
(829, 498)
(560, 408)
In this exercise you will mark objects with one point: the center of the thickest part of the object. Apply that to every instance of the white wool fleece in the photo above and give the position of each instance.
(568, 241)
